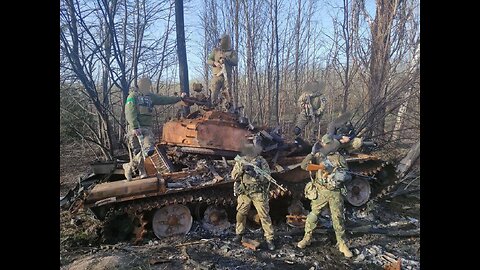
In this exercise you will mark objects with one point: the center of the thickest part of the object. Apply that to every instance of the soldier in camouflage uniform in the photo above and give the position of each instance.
(252, 188)
(312, 104)
(223, 54)
(342, 129)
(138, 113)
(326, 189)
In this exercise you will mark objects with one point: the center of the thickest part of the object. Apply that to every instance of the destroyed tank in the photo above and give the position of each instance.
(189, 176)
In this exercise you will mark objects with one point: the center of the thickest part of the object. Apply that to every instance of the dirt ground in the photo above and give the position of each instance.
(81, 246)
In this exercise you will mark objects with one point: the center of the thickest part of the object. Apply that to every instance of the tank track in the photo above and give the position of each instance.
(223, 196)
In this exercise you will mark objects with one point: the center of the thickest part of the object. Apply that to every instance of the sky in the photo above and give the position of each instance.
(194, 8)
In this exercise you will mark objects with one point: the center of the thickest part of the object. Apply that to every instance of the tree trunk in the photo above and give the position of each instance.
(408, 161)
(379, 64)
(277, 66)
(181, 51)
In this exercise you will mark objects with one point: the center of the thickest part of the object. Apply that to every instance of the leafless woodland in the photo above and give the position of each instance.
(368, 57)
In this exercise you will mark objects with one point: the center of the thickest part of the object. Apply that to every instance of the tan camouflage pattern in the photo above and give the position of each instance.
(262, 206)
(256, 192)
(325, 195)
(138, 162)
(223, 53)
(317, 105)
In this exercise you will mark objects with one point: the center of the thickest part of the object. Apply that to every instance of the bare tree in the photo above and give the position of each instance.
(106, 45)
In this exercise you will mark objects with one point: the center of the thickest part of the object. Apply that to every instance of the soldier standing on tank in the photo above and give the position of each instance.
(252, 188)
(138, 113)
(312, 104)
(323, 191)
(342, 130)
(223, 54)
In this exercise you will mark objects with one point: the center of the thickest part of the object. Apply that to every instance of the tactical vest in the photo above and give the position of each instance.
(252, 184)
(144, 104)
(314, 103)
(334, 179)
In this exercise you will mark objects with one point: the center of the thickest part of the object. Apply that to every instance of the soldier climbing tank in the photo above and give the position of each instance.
(189, 177)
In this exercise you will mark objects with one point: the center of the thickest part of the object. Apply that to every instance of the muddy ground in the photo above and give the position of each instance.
(396, 223)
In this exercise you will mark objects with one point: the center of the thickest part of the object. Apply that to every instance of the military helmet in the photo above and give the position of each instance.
(144, 85)
(329, 144)
(326, 139)
(197, 87)
(225, 42)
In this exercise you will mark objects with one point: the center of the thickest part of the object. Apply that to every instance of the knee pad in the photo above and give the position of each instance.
(311, 217)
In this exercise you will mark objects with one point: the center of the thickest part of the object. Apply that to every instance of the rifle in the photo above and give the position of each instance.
(195, 101)
(369, 144)
(259, 171)
(316, 167)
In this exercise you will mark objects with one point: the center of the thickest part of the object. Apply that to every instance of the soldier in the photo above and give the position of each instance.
(325, 189)
(342, 129)
(252, 188)
(312, 104)
(222, 55)
(138, 112)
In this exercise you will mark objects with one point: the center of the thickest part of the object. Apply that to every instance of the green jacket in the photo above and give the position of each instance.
(139, 107)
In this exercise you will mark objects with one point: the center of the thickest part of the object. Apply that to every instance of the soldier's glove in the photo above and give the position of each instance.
(316, 148)
(137, 132)
(250, 171)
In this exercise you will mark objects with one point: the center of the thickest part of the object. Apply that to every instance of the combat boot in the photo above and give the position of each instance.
(345, 250)
(271, 245)
(238, 238)
(127, 171)
(307, 240)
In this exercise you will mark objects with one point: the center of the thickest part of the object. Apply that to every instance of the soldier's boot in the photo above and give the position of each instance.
(307, 240)
(127, 171)
(345, 250)
(238, 238)
(271, 245)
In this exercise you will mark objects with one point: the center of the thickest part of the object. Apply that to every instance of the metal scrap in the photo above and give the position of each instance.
(250, 243)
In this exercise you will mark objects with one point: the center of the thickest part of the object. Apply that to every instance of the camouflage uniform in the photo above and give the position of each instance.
(256, 191)
(138, 113)
(312, 105)
(321, 192)
(222, 54)
(339, 129)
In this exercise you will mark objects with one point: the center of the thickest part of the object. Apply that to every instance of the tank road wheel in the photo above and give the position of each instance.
(358, 191)
(215, 219)
(171, 220)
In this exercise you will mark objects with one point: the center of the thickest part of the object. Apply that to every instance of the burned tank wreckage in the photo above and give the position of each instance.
(189, 176)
